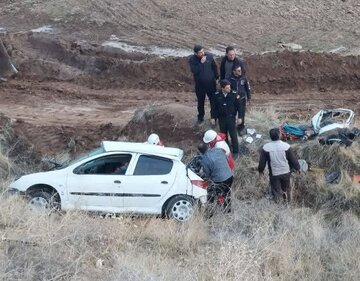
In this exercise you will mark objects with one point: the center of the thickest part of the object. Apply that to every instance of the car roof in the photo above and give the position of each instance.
(142, 148)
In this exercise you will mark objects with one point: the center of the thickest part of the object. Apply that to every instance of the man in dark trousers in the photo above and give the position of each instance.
(205, 72)
(241, 86)
(226, 108)
(228, 61)
(280, 159)
(215, 167)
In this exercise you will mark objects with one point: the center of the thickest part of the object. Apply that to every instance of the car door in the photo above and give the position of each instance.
(98, 184)
(149, 182)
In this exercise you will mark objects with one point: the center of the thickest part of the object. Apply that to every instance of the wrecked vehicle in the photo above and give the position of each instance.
(331, 119)
(325, 121)
(154, 181)
(344, 137)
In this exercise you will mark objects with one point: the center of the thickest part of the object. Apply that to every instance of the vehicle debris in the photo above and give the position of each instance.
(325, 121)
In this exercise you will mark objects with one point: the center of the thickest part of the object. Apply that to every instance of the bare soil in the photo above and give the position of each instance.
(72, 89)
(252, 26)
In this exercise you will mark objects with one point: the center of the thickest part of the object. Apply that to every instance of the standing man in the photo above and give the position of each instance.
(225, 108)
(280, 159)
(241, 86)
(228, 62)
(216, 168)
(205, 72)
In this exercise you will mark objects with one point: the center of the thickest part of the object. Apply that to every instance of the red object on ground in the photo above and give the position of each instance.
(220, 200)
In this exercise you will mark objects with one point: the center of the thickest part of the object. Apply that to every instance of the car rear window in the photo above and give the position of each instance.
(153, 165)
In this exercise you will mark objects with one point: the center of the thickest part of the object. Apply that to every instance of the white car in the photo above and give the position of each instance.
(119, 177)
(327, 120)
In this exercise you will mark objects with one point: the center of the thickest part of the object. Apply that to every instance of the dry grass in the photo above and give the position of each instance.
(263, 119)
(317, 238)
(259, 241)
(4, 166)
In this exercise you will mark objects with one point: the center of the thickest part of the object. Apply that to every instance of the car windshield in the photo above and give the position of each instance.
(91, 153)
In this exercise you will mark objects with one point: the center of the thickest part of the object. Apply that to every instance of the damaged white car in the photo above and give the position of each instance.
(119, 177)
(327, 120)
(323, 122)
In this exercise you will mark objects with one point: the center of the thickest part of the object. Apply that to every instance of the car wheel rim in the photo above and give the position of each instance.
(39, 203)
(182, 210)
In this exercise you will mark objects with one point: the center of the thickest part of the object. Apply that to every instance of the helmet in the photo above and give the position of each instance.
(153, 139)
(209, 136)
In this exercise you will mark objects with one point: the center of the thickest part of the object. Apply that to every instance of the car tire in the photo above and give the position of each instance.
(180, 208)
(45, 200)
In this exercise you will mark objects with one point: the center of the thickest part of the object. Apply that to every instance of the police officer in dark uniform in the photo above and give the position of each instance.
(205, 72)
(226, 108)
(241, 86)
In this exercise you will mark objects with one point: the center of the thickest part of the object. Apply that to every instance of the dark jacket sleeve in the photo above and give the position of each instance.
(222, 68)
(194, 66)
(248, 89)
(262, 161)
(292, 159)
(214, 108)
(238, 107)
(215, 69)
(233, 85)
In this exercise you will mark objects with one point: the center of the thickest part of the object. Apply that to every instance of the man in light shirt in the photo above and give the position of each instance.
(280, 159)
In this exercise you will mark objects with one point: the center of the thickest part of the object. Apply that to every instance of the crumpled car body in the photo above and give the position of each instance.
(327, 120)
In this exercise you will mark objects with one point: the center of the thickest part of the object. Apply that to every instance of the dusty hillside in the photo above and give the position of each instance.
(68, 91)
(253, 26)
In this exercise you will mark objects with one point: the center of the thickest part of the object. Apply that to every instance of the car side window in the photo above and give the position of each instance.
(153, 165)
(108, 165)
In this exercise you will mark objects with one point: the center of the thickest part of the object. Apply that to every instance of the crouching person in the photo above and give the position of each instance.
(217, 140)
(216, 168)
(280, 159)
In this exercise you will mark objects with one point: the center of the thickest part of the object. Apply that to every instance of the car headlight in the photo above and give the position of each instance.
(13, 191)
(17, 178)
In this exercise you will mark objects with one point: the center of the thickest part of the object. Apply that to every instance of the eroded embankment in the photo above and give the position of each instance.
(43, 56)
(69, 91)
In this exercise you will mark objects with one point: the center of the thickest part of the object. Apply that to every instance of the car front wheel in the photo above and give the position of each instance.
(180, 208)
(40, 199)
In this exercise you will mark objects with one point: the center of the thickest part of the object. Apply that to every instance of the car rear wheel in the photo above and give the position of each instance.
(44, 200)
(180, 208)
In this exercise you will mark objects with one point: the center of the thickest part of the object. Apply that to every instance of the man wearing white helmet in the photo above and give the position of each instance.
(154, 139)
(217, 140)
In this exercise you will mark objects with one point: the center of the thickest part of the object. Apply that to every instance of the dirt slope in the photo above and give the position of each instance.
(253, 26)
(70, 88)
(67, 91)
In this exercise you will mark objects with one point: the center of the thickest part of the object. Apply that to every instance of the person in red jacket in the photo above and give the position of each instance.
(217, 140)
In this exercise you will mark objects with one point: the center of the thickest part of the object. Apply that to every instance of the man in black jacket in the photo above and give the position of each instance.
(280, 159)
(241, 86)
(228, 62)
(205, 72)
(225, 108)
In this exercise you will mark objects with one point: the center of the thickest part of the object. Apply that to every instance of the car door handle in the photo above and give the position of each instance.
(117, 181)
(164, 182)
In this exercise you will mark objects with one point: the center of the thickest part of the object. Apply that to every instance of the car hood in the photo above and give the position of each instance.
(49, 178)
